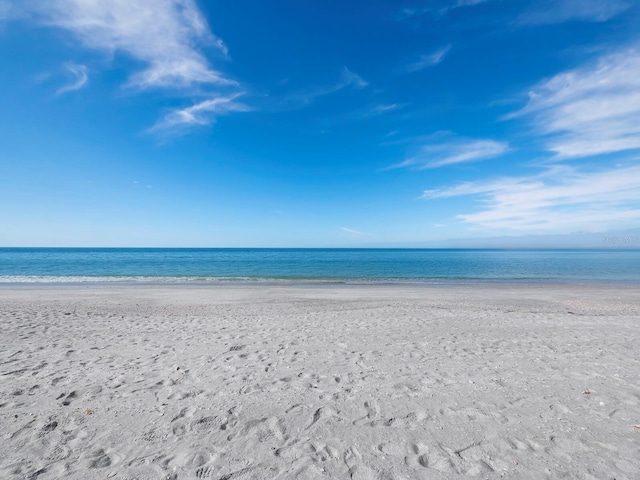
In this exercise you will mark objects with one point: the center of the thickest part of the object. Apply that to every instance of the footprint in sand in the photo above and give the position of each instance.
(154, 436)
(59, 452)
(473, 460)
(47, 428)
(392, 449)
(97, 459)
(185, 412)
(410, 422)
(264, 430)
(436, 458)
(357, 471)
(373, 412)
(468, 460)
(205, 471)
(322, 413)
(206, 424)
(69, 398)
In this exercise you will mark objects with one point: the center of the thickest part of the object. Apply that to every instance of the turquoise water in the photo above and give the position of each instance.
(64, 265)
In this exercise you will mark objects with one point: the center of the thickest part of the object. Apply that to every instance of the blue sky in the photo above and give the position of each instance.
(316, 123)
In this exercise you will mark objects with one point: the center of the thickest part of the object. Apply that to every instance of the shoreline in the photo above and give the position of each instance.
(213, 282)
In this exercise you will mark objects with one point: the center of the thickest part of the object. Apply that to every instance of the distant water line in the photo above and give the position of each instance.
(331, 266)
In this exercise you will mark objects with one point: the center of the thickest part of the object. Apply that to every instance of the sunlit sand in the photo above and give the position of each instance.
(331, 382)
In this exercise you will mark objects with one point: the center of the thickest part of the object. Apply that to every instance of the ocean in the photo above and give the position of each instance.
(290, 265)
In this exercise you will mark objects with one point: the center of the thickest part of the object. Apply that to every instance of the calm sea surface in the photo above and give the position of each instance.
(158, 265)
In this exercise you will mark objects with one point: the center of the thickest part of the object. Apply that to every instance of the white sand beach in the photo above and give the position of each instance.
(370, 382)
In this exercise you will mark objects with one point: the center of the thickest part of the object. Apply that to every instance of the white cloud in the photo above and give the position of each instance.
(392, 133)
(165, 36)
(591, 110)
(444, 8)
(80, 78)
(559, 199)
(430, 60)
(350, 78)
(301, 99)
(541, 12)
(454, 151)
(560, 11)
(381, 109)
(468, 3)
(200, 114)
(353, 232)
(162, 34)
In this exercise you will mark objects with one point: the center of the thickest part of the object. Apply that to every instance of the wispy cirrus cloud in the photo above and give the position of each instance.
(559, 199)
(590, 110)
(381, 109)
(200, 114)
(80, 78)
(350, 78)
(304, 98)
(539, 12)
(165, 35)
(440, 152)
(429, 60)
(548, 12)
(440, 7)
(355, 233)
